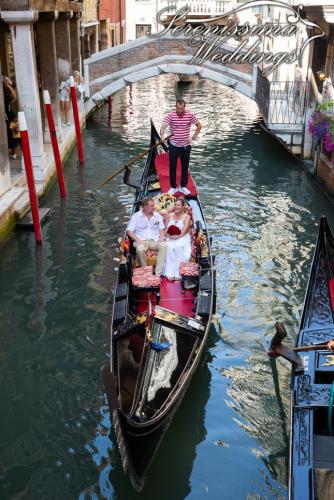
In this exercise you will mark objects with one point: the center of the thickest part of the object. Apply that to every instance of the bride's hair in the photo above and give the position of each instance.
(182, 200)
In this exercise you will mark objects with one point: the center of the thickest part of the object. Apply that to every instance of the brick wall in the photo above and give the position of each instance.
(325, 172)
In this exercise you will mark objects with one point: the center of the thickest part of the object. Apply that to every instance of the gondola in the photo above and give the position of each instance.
(158, 332)
(312, 426)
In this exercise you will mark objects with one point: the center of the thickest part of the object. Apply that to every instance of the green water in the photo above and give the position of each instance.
(229, 439)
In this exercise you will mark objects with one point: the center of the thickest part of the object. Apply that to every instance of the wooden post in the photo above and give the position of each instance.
(54, 141)
(76, 121)
(30, 176)
(109, 110)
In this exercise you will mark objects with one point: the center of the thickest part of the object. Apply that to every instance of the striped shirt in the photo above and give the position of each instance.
(180, 127)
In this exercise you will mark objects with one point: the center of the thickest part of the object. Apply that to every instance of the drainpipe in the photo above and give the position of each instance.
(120, 21)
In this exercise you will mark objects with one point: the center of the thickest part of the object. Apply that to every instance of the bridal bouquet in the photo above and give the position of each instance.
(173, 230)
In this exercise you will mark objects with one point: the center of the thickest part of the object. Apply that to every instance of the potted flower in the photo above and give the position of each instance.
(321, 125)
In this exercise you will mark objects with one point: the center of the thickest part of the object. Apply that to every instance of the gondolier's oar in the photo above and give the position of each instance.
(278, 349)
(136, 158)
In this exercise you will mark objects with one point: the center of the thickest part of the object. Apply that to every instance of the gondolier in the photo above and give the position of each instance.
(179, 122)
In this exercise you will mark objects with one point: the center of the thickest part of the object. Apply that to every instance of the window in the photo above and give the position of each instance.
(141, 29)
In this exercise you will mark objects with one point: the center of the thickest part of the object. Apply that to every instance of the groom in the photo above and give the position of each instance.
(147, 229)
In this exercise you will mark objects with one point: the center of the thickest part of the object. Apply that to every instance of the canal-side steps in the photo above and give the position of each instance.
(290, 135)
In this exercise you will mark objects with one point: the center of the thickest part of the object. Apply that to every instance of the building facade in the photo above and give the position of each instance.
(141, 15)
(89, 28)
(321, 78)
(112, 23)
(34, 65)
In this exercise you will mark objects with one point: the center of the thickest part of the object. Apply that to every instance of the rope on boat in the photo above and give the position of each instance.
(330, 410)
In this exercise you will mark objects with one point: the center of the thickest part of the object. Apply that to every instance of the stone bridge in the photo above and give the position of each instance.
(108, 71)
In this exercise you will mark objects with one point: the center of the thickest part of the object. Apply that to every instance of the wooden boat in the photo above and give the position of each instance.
(311, 432)
(145, 385)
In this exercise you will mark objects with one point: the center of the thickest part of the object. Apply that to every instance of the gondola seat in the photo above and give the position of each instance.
(120, 308)
(147, 281)
(188, 269)
(189, 272)
(143, 280)
(121, 290)
(142, 271)
(203, 304)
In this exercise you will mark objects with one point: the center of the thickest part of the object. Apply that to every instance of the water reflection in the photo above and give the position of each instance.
(169, 475)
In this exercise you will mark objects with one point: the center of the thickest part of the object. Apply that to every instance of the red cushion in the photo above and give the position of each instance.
(331, 291)
(143, 271)
(146, 281)
(189, 269)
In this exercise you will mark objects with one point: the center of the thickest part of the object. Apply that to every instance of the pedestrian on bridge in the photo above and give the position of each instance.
(179, 122)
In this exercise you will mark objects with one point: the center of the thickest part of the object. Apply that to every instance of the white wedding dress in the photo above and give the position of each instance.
(177, 251)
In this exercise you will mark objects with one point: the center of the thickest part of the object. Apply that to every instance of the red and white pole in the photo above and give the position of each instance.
(30, 176)
(76, 120)
(54, 141)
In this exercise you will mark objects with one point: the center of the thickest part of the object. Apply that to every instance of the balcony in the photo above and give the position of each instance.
(201, 7)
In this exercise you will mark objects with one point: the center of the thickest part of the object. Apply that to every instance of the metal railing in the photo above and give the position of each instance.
(281, 103)
(204, 7)
(287, 102)
(262, 94)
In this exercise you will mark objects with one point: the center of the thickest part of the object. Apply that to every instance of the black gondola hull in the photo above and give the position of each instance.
(311, 445)
(141, 408)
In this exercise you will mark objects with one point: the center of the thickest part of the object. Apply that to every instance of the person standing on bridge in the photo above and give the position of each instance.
(179, 122)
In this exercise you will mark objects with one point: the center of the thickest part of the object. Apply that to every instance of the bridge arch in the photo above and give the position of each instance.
(110, 70)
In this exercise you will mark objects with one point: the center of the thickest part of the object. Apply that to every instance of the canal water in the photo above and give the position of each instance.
(229, 439)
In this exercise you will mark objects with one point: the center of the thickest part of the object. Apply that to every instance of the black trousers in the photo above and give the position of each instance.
(184, 154)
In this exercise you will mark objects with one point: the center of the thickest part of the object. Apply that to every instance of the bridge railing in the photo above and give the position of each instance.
(262, 94)
(281, 102)
(287, 102)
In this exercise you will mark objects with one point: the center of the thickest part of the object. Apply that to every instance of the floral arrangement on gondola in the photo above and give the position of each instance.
(321, 125)
(164, 203)
(202, 244)
(124, 246)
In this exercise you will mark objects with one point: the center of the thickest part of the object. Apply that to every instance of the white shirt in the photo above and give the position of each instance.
(144, 228)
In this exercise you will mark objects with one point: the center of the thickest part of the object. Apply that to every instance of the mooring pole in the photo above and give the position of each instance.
(54, 141)
(76, 120)
(109, 110)
(30, 176)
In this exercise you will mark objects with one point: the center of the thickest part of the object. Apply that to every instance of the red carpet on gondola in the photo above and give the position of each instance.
(171, 297)
(162, 166)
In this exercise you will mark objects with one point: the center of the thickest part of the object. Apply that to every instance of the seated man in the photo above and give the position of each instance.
(146, 228)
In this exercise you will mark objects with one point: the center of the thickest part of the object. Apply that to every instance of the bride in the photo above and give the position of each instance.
(178, 240)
